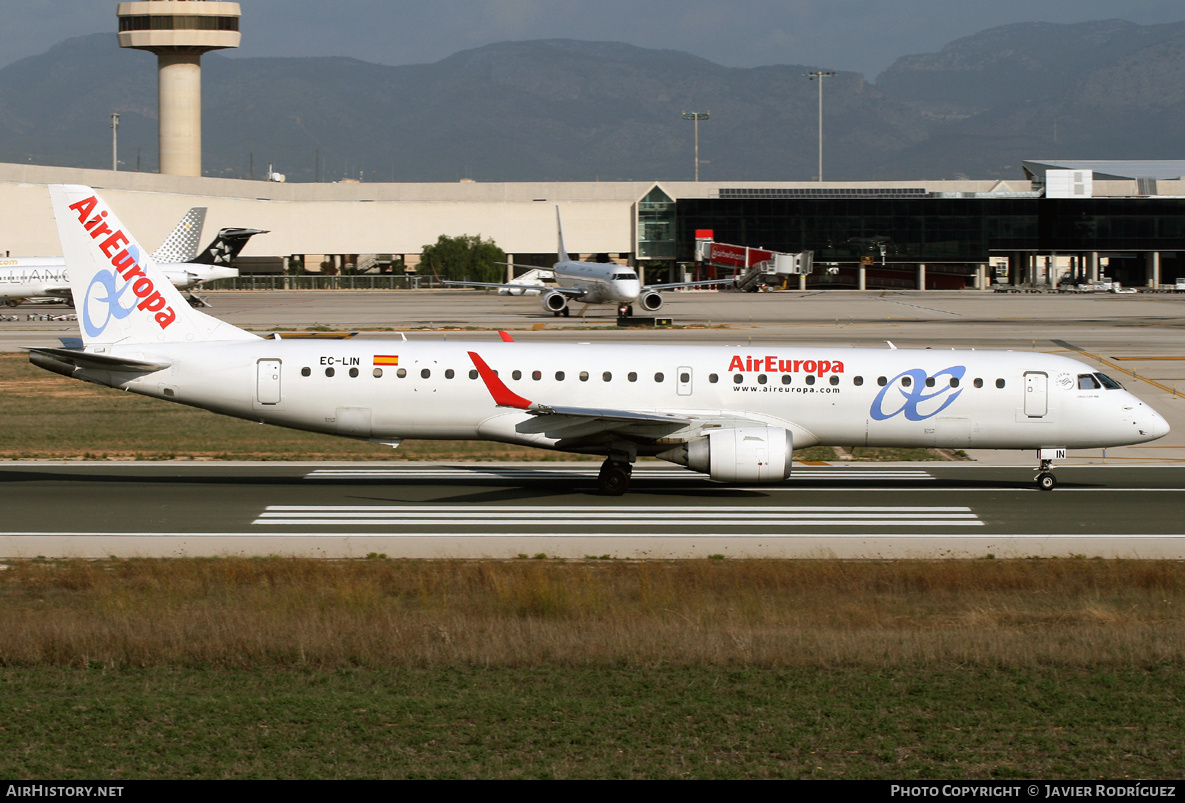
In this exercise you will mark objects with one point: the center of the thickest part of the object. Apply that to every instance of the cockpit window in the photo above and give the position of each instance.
(1108, 382)
(620, 276)
(1087, 382)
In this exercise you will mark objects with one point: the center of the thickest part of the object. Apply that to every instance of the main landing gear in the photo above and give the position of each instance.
(614, 478)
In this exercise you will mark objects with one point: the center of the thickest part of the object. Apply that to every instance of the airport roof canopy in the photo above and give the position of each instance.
(1109, 169)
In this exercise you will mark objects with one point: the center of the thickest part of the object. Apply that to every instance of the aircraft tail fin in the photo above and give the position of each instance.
(225, 247)
(182, 244)
(120, 294)
(561, 252)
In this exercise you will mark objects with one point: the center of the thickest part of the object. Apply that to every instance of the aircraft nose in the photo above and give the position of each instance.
(1157, 426)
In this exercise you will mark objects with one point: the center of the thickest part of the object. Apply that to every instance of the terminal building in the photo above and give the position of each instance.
(1061, 222)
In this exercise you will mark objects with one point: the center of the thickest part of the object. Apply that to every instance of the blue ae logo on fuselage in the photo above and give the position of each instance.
(915, 395)
(109, 306)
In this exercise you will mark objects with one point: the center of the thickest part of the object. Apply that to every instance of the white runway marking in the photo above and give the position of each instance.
(568, 520)
(590, 474)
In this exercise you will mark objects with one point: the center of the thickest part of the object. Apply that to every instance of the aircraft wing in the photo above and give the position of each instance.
(673, 285)
(574, 292)
(562, 422)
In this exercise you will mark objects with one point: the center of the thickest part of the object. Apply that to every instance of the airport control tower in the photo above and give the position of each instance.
(179, 32)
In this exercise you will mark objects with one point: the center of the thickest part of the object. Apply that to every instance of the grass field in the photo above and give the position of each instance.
(586, 669)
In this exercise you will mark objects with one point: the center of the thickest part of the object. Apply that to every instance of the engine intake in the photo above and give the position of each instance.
(555, 302)
(743, 454)
(652, 301)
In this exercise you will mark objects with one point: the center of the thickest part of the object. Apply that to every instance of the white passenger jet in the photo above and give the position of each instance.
(177, 257)
(735, 413)
(592, 283)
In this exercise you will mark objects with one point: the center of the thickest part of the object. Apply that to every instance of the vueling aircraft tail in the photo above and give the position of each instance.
(120, 294)
(182, 244)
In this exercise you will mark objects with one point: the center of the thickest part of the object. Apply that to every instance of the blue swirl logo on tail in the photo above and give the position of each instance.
(110, 305)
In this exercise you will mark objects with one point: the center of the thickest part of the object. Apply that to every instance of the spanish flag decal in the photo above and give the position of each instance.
(386, 359)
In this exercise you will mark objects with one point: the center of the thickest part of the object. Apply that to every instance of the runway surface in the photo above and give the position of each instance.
(503, 511)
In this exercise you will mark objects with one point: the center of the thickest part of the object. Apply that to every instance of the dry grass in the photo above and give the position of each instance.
(244, 613)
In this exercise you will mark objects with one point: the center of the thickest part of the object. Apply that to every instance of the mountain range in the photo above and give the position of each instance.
(565, 110)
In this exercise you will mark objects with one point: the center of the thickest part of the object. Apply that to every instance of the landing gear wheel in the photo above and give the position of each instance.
(12, 302)
(1046, 481)
(614, 478)
(567, 312)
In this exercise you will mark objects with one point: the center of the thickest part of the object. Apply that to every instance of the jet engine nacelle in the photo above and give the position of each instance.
(652, 301)
(555, 302)
(743, 454)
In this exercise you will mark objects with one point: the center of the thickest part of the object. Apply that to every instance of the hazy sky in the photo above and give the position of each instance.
(860, 35)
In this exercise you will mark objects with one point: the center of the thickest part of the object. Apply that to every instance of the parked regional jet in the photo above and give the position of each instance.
(735, 413)
(592, 283)
(177, 257)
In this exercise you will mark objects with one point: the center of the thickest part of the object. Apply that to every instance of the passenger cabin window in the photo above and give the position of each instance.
(880, 380)
(473, 373)
(658, 377)
(834, 379)
(305, 371)
(978, 383)
(1088, 382)
(737, 379)
(857, 381)
(401, 373)
(559, 376)
(607, 377)
(632, 376)
(906, 381)
(449, 374)
(425, 373)
(328, 372)
(810, 379)
(713, 379)
(761, 379)
(378, 372)
(999, 383)
(584, 376)
(785, 379)
(516, 374)
(353, 372)
(536, 375)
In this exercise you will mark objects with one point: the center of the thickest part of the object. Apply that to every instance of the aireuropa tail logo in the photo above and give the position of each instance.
(99, 310)
(917, 401)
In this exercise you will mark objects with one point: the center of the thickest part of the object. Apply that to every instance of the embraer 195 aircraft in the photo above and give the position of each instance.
(735, 413)
(593, 283)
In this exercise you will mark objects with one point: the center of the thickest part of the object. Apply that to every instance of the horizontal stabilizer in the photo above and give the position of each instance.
(97, 362)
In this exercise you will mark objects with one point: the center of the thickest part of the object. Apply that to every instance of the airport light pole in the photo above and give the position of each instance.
(114, 140)
(696, 116)
(820, 74)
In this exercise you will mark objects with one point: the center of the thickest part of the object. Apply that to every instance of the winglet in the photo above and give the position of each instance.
(506, 338)
(503, 396)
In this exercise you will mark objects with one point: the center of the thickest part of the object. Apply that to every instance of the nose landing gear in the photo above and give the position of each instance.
(1045, 479)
